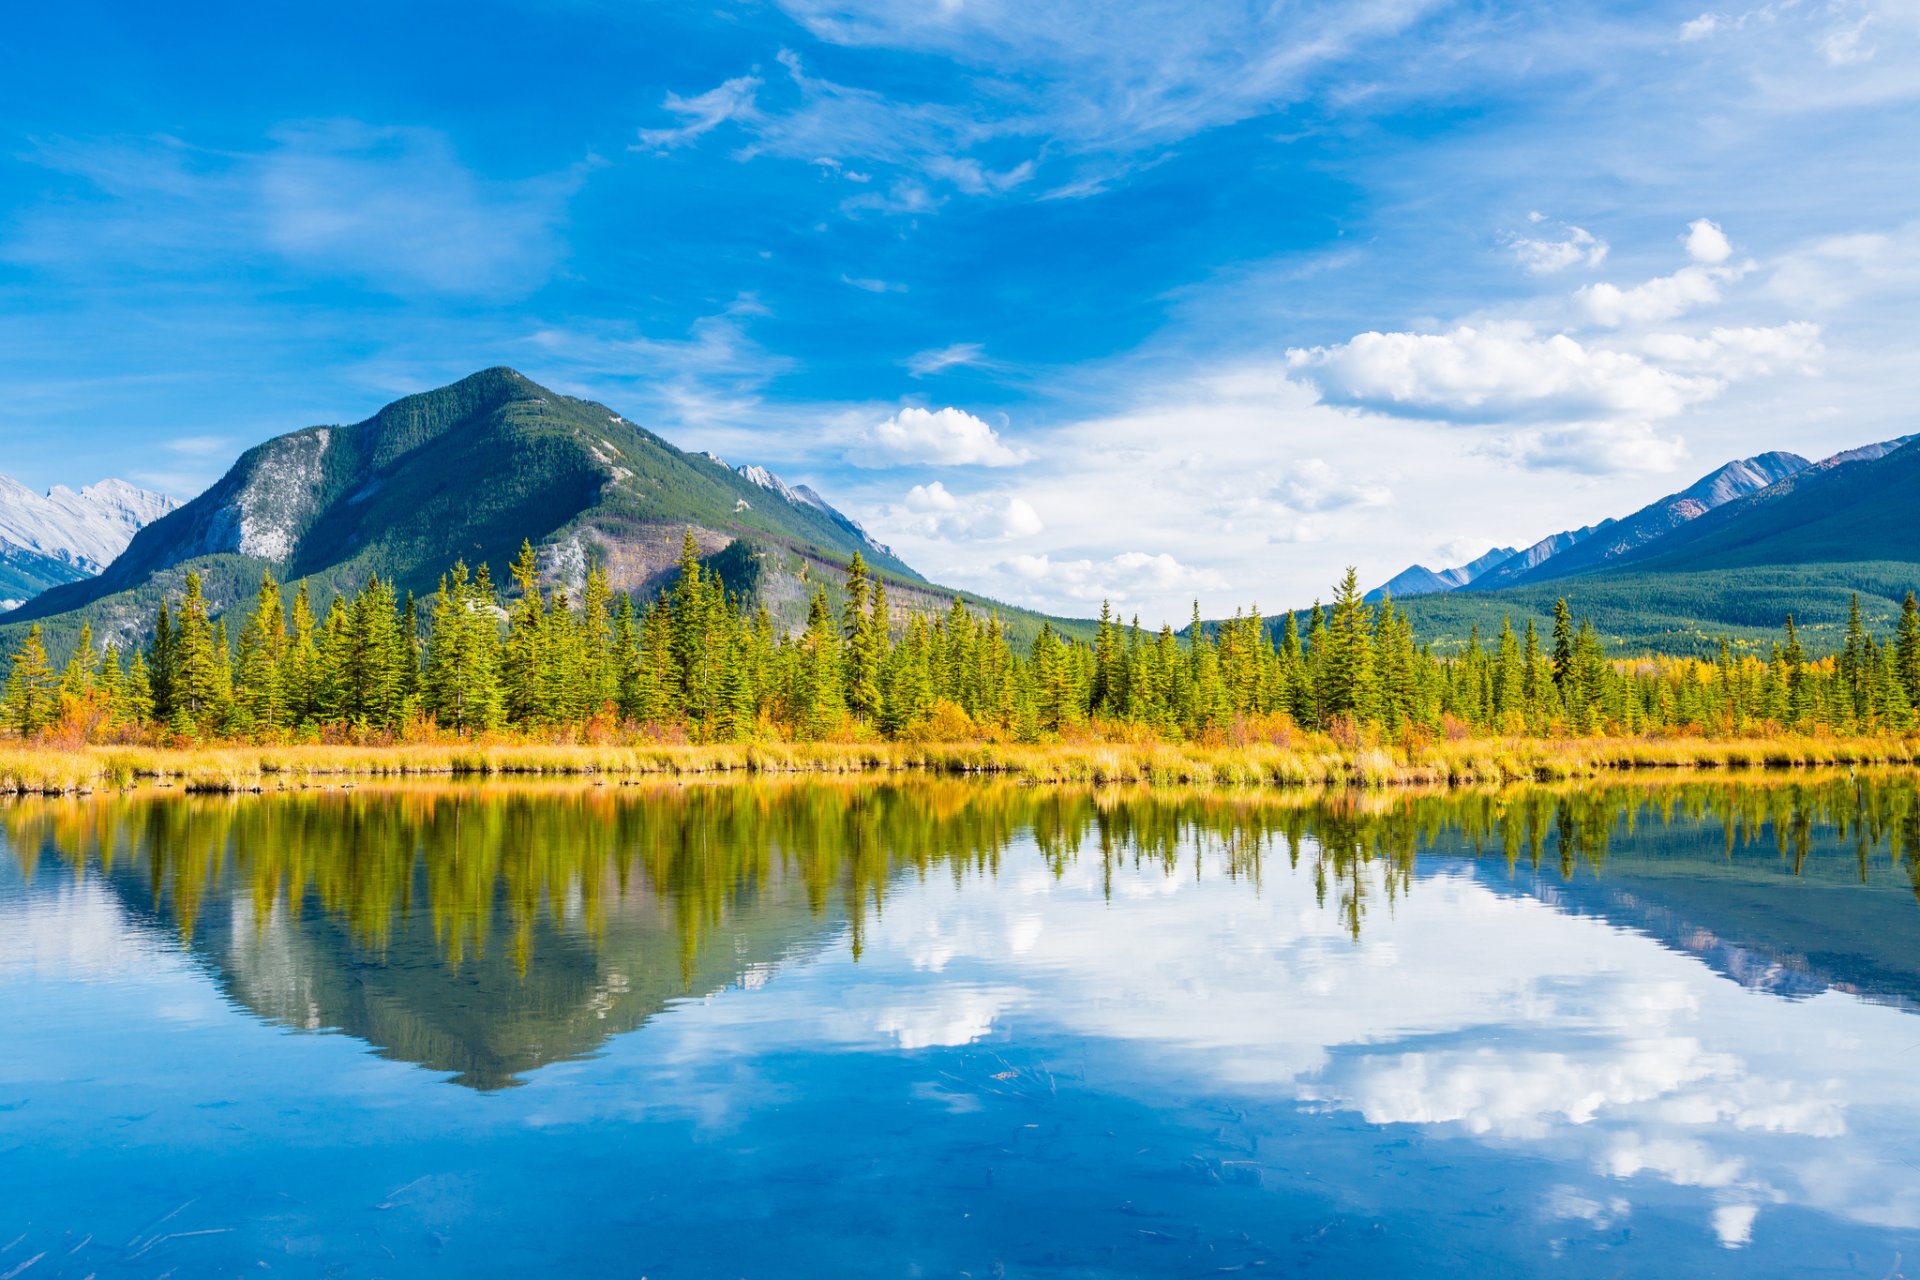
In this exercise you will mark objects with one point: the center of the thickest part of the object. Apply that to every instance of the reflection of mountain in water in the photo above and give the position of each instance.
(487, 1018)
(487, 931)
(1753, 920)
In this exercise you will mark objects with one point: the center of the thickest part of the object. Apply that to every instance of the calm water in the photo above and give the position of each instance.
(955, 1029)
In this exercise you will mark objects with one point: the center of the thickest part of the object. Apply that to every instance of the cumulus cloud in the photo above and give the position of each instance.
(1664, 297)
(933, 512)
(1574, 247)
(1121, 578)
(937, 437)
(1661, 298)
(1494, 374)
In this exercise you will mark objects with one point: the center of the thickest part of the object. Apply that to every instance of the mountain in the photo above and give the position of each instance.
(62, 536)
(1418, 580)
(804, 496)
(466, 472)
(1577, 551)
(1854, 507)
(1806, 544)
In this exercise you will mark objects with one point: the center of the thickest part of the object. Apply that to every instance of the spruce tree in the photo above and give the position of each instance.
(32, 689)
(263, 652)
(1906, 650)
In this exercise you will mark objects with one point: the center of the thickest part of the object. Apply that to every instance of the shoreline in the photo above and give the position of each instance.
(1314, 764)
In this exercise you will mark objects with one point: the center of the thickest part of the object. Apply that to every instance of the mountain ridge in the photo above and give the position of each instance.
(64, 535)
(467, 471)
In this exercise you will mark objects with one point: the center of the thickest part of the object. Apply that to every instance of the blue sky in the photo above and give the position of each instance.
(1147, 301)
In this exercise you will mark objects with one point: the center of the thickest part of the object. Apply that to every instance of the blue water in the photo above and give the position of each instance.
(959, 1031)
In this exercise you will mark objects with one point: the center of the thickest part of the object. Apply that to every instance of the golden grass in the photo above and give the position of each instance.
(1308, 761)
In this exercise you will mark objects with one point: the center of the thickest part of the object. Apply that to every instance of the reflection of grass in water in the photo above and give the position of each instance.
(488, 926)
(1305, 761)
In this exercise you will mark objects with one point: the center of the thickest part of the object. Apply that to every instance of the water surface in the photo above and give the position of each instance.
(961, 1029)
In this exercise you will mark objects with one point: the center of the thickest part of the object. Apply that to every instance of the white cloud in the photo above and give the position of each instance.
(937, 437)
(1592, 448)
(1836, 272)
(1699, 28)
(1707, 243)
(871, 284)
(1120, 579)
(933, 512)
(1661, 298)
(1847, 46)
(1494, 374)
(1740, 353)
(1312, 485)
(394, 208)
(1576, 247)
(939, 359)
(703, 112)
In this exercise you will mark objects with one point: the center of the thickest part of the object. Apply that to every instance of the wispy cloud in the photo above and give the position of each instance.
(925, 364)
(393, 208)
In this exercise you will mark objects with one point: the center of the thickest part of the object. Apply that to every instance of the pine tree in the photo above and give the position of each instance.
(863, 645)
(1906, 650)
(1562, 650)
(194, 682)
(524, 658)
(263, 653)
(32, 690)
(78, 680)
(820, 704)
(1347, 675)
(135, 703)
(300, 691)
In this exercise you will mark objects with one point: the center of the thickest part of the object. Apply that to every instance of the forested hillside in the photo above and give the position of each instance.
(467, 472)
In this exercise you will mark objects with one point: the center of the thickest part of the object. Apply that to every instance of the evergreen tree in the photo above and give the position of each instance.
(195, 675)
(32, 690)
(263, 654)
(1906, 650)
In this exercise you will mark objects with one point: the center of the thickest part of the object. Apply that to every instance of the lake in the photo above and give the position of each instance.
(957, 1028)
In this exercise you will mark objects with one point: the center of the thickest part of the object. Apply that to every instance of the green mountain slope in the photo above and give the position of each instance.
(468, 471)
(24, 574)
(1862, 510)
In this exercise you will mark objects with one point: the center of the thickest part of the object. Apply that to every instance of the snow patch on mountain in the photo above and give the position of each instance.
(86, 529)
(801, 495)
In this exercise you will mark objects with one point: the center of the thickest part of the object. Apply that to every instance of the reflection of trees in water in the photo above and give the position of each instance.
(485, 863)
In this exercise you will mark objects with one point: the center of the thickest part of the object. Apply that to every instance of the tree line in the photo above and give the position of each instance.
(696, 661)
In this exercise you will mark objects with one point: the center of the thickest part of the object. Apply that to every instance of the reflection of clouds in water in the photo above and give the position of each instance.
(957, 1016)
(79, 931)
(1564, 1203)
(1487, 1014)
(1514, 1095)
(1733, 1223)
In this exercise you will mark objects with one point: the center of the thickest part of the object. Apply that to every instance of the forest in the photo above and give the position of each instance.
(696, 664)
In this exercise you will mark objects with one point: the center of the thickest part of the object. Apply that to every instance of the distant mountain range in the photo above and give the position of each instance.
(1731, 554)
(466, 472)
(62, 536)
(1576, 550)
